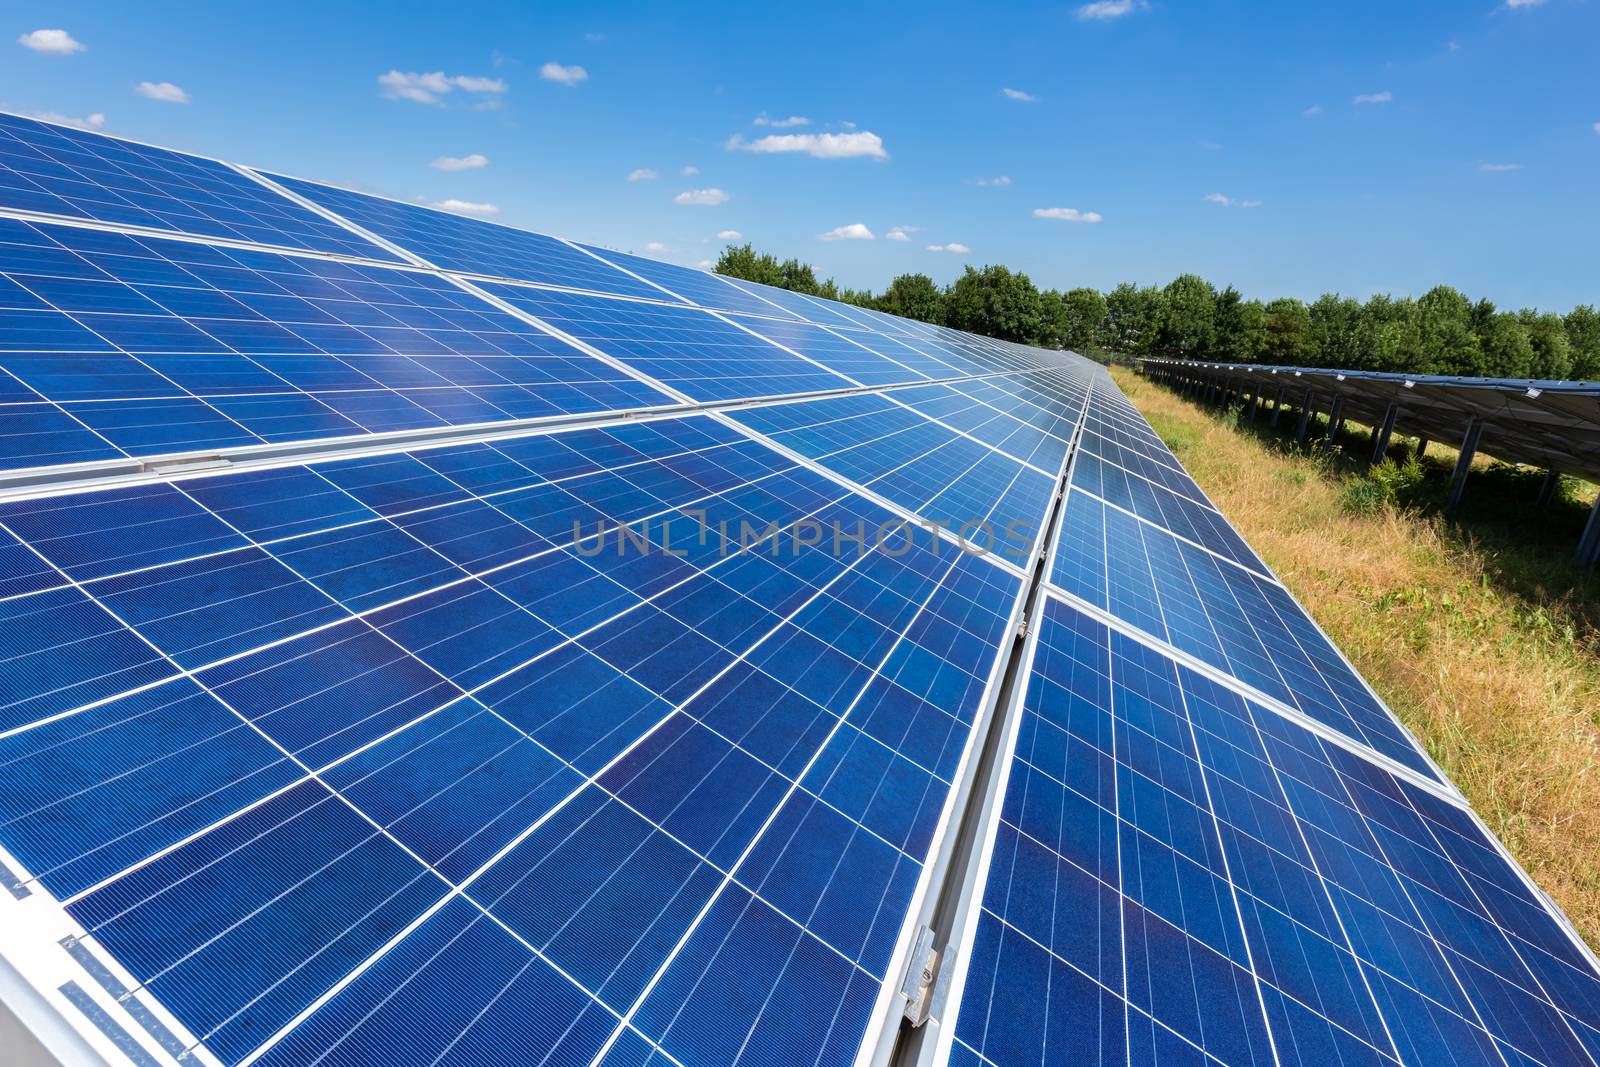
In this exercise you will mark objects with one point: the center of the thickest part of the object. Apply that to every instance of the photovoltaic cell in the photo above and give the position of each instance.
(692, 350)
(471, 246)
(696, 286)
(59, 170)
(122, 345)
(1181, 875)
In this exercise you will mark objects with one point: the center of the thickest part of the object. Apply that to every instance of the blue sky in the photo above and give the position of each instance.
(1380, 147)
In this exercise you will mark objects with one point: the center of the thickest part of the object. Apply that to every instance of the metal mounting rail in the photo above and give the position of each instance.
(948, 920)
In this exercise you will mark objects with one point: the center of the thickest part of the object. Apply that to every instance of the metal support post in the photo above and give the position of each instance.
(1380, 439)
(1469, 448)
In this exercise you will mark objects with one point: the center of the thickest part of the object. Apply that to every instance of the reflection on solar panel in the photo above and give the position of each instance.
(424, 641)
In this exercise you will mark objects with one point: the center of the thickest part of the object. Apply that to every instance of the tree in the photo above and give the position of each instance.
(1390, 337)
(1052, 320)
(1250, 333)
(1132, 317)
(1444, 319)
(743, 261)
(1188, 317)
(1583, 341)
(914, 296)
(1332, 330)
(994, 301)
(1288, 327)
(1547, 336)
(1239, 328)
(1084, 311)
(1505, 347)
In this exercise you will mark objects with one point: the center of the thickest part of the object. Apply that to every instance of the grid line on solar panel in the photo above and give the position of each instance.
(1249, 629)
(58, 170)
(1259, 571)
(912, 466)
(1019, 439)
(1158, 715)
(644, 997)
(686, 348)
(697, 287)
(836, 352)
(153, 346)
(473, 246)
(48, 521)
(821, 312)
(447, 571)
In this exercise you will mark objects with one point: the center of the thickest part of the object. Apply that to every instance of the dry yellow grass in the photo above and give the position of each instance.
(1500, 689)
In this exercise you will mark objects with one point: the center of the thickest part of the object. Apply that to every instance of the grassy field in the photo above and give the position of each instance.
(1477, 629)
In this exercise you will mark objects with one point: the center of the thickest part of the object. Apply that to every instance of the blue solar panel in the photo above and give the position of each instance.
(864, 359)
(639, 740)
(398, 684)
(62, 171)
(1181, 875)
(691, 350)
(472, 246)
(121, 345)
(920, 465)
(696, 286)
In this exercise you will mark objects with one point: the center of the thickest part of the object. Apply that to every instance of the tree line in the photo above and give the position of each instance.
(1441, 332)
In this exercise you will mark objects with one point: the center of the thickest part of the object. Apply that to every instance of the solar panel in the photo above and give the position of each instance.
(706, 357)
(137, 346)
(472, 246)
(466, 646)
(58, 170)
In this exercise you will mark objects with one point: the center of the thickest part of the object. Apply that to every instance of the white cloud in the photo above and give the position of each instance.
(655, 246)
(690, 171)
(1066, 214)
(428, 88)
(706, 264)
(1597, 127)
(1110, 9)
(902, 233)
(820, 145)
(88, 122)
(959, 250)
(594, 38)
(1218, 198)
(1374, 98)
(163, 91)
(1314, 109)
(1515, 4)
(51, 42)
(555, 72)
(465, 207)
(701, 197)
(1004, 179)
(1249, 203)
(475, 161)
(793, 120)
(1018, 94)
(856, 231)
(643, 174)
(729, 235)
(1499, 168)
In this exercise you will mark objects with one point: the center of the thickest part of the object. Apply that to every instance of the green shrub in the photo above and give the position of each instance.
(1384, 485)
